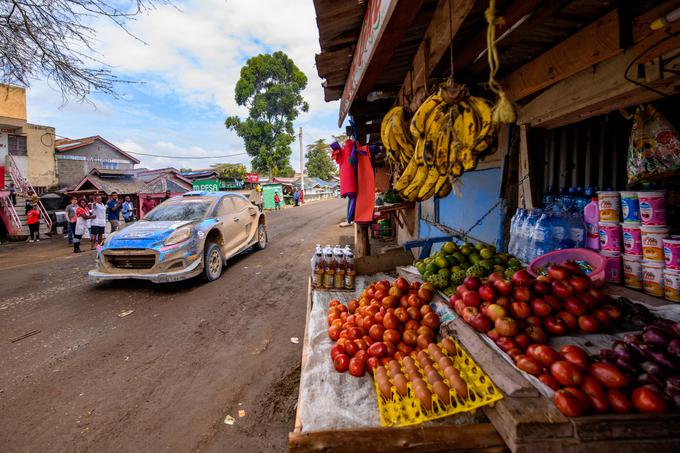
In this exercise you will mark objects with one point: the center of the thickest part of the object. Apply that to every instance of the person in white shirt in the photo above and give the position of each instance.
(98, 222)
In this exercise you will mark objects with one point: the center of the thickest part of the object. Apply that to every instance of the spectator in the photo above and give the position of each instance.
(98, 222)
(296, 197)
(71, 218)
(167, 196)
(13, 194)
(32, 199)
(147, 205)
(302, 196)
(128, 210)
(113, 211)
(83, 215)
(277, 201)
(255, 197)
(33, 222)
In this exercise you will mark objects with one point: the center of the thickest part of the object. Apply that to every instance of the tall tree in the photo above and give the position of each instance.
(270, 87)
(319, 163)
(53, 39)
(229, 171)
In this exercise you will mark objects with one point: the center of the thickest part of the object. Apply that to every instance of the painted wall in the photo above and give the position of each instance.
(12, 102)
(73, 165)
(41, 162)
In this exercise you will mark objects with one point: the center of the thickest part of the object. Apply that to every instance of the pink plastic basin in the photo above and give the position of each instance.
(597, 262)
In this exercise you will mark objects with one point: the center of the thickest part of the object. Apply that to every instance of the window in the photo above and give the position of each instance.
(240, 203)
(110, 165)
(226, 207)
(16, 145)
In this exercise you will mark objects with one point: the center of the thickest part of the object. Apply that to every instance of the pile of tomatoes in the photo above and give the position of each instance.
(389, 321)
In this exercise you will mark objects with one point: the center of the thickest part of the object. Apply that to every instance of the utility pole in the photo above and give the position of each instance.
(302, 164)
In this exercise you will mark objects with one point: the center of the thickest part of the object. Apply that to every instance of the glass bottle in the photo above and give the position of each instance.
(318, 267)
(350, 271)
(339, 281)
(329, 268)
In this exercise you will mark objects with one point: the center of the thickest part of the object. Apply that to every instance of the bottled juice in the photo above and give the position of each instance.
(318, 268)
(350, 271)
(329, 268)
(339, 280)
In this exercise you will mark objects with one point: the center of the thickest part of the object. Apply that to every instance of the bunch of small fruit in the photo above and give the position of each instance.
(448, 267)
(389, 321)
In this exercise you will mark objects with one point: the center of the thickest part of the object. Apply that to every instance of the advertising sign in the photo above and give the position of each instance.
(252, 177)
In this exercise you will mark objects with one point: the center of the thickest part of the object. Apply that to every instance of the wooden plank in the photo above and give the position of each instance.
(634, 295)
(629, 426)
(383, 262)
(425, 438)
(524, 193)
(305, 352)
(361, 242)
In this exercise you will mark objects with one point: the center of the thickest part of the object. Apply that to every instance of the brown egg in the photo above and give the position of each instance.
(433, 377)
(442, 391)
(425, 362)
(449, 345)
(385, 389)
(394, 367)
(428, 369)
(408, 361)
(437, 356)
(412, 372)
(432, 348)
(380, 371)
(425, 397)
(418, 382)
(444, 363)
(421, 356)
(451, 371)
(459, 386)
(401, 384)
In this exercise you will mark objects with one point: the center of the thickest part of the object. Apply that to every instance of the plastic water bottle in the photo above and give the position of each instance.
(524, 252)
(559, 228)
(549, 198)
(541, 241)
(591, 216)
(577, 230)
(515, 224)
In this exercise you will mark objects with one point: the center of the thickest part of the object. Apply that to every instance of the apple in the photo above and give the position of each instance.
(555, 325)
(603, 316)
(558, 272)
(522, 278)
(469, 312)
(540, 307)
(572, 267)
(472, 283)
(460, 290)
(554, 302)
(536, 334)
(514, 353)
(503, 302)
(452, 300)
(580, 283)
(596, 293)
(496, 276)
(523, 340)
(521, 293)
(589, 301)
(506, 326)
(471, 299)
(575, 306)
(503, 287)
(459, 306)
(487, 292)
(506, 344)
(413, 313)
(520, 310)
(589, 324)
(541, 287)
(493, 334)
(483, 307)
(570, 319)
(534, 321)
(480, 322)
(562, 289)
(613, 311)
(495, 311)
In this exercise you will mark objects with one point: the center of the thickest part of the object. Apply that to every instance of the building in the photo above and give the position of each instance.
(164, 179)
(75, 158)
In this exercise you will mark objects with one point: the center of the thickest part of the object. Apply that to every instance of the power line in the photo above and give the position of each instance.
(186, 157)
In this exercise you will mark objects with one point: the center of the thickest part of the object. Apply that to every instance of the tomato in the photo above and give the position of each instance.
(545, 354)
(619, 402)
(390, 321)
(411, 325)
(352, 305)
(549, 381)
(334, 332)
(568, 404)
(531, 348)
(596, 394)
(391, 348)
(368, 340)
(571, 348)
(581, 396)
(376, 332)
(577, 358)
(424, 295)
(357, 367)
(566, 374)
(431, 320)
(514, 353)
(648, 400)
(425, 309)
(391, 335)
(341, 362)
(529, 365)
(402, 284)
(333, 303)
(351, 348)
(410, 337)
(336, 350)
(377, 349)
(372, 363)
(342, 308)
(404, 348)
(361, 355)
(608, 375)
(355, 333)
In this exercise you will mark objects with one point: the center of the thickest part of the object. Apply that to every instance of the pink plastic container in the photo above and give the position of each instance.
(632, 238)
(653, 207)
(596, 261)
(591, 216)
(671, 252)
(613, 269)
(610, 237)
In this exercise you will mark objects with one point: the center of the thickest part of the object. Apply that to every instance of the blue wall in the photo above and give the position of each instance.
(480, 191)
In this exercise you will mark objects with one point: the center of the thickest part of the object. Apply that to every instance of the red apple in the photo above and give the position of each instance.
(452, 300)
(503, 287)
(589, 301)
(554, 302)
(541, 287)
(520, 310)
(596, 293)
(514, 353)
(562, 289)
(496, 276)
(536, 334)
(493, 334)
(580, 283)
(558, 272)
(460, 290)
(522, 278)
(483, 307)
(540, 307)
(487, 292)
(507, 327)
(471, 299)
(570, 319)
(545, 278)
(469, 312)
(602, 315)
(495, 311)
(523, 340)
(472, 283)
(572, 267)
(534, 321)
(555, 325)
(459, 306)
(503, 302)
(506, 344)
(613, 311)
(480, 322)
(589, 324)
(575, 306)
(521, 293)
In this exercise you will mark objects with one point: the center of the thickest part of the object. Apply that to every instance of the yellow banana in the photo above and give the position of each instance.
(417, 125)
(411, 192)
(441, 151)
(441, 182)
(400, 137)
(465, 125)
(407, 176)
(445, 189)
(427, 189)
(484, 135)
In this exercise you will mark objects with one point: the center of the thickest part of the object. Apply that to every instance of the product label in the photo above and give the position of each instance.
(628, 241)
(646, 210)
(349, 280)
(668, 257)
(592, 230)
(603, 238)
(625, 209)
(576, 235)
(558, 233)
(328, 280)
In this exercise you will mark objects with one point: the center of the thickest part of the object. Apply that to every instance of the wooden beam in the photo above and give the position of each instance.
(525, 198)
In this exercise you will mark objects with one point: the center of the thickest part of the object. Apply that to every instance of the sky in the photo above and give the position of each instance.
(186, 69)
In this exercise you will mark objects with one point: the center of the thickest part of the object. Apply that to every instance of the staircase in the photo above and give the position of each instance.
(18, 229)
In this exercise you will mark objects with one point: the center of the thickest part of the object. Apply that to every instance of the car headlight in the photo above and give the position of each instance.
(179, 235)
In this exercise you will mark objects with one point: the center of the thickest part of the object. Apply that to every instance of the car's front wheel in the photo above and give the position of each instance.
(261, 237)
(213, 262)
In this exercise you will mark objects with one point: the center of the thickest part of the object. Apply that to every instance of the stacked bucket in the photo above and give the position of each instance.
(651, 259)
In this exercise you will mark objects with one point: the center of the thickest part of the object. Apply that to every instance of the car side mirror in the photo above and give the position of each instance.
(252, 210)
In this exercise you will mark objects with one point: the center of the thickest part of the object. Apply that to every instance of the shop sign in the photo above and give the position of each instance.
(208, 185)
(377, 16)
(252, 177)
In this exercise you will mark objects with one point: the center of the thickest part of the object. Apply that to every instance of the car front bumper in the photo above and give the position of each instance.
(192, 270)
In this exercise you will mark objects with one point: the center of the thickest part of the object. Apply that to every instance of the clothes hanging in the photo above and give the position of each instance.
(365, 203)
(348, 176)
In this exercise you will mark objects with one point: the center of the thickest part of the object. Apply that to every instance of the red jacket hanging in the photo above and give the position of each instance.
(348, 176)
(366, 186)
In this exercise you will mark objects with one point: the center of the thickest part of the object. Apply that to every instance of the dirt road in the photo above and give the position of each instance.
(164, 377)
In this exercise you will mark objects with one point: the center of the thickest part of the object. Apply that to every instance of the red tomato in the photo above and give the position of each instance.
(568, 404)
(342, 308)
(648, 400)
(372, 363)
(578, 359)
(608, 375)
(619, 402)
(361, 344)
(390, 321)
(341, 362)
(352, 305)
(357, 367)
(529, 365)
(377, 349)
(368, 340)
(596, 394)
(545, 354)
(581, 396)
(424, 295)
(571, 348)
(391, 348)
(334, 332)
(566, 374)
(549, 381)
(376, 332)
(337, 350)
(391, 335)
(431, 320)
(351, 348)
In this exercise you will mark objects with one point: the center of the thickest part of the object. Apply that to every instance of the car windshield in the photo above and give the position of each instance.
(180, 209)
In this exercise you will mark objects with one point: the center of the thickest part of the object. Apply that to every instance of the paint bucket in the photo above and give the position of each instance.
(671, 284)
(671, 252)
(609, 206)
(610, 236)
(632, 271)
(613, 268)
(653, 207)
(632, 238)
(652, 242)
(652, 278)
(630, 206)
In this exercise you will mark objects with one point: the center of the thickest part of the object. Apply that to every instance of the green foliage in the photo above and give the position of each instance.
(270, 87)
(284, 172)
(229, 171)
(319, 163)
(184, 169)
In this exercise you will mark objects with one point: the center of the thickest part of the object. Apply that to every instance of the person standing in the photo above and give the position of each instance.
(277, 201)
(32, 199)
(113, 211)
(147, 205)
(13, 194)
(71, 218)
(128, 210)
(82, 217)
(98, 222)
(33, 222)
(296, 197)
(302, 196)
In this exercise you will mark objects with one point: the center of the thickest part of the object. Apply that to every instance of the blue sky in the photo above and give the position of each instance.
(187, 68)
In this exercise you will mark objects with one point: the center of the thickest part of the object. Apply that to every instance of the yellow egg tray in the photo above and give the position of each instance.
(407, 411)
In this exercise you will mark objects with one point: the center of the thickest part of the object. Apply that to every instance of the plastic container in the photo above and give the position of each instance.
(671, 284)
(591, 217)
(630, 206)
(632, 271)
(653, 207)
(632, 238)
(610, 236)
(559, 230)
(652, 242)
(540, 239)
(577, 230)
(613, 269)
(596, 261)
(609, 206)
(671, 252)
(652, 278)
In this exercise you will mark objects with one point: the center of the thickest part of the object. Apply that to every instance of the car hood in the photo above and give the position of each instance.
(144, 234)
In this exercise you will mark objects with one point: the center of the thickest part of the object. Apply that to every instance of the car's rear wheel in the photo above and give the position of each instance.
(261, 237)
(213, 262)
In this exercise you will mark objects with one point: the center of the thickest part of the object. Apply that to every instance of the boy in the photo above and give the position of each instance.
(71, 218)
(277, 201)
(33, 222)
(128, 210)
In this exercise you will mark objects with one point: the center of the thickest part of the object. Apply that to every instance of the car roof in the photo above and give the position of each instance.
(205, 193)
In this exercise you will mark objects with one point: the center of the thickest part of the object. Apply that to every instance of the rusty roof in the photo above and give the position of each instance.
(67, 144)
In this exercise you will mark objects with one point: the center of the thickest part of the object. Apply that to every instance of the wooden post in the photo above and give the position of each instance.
(361, 244)
(524, 192)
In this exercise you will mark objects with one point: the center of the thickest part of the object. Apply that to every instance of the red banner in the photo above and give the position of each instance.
(252, 177)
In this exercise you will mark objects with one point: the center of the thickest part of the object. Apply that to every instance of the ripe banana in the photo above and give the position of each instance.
(407, 176)
(427, 189)
(417, 126)
(445, 189)
(411, 192)
(483, 110)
